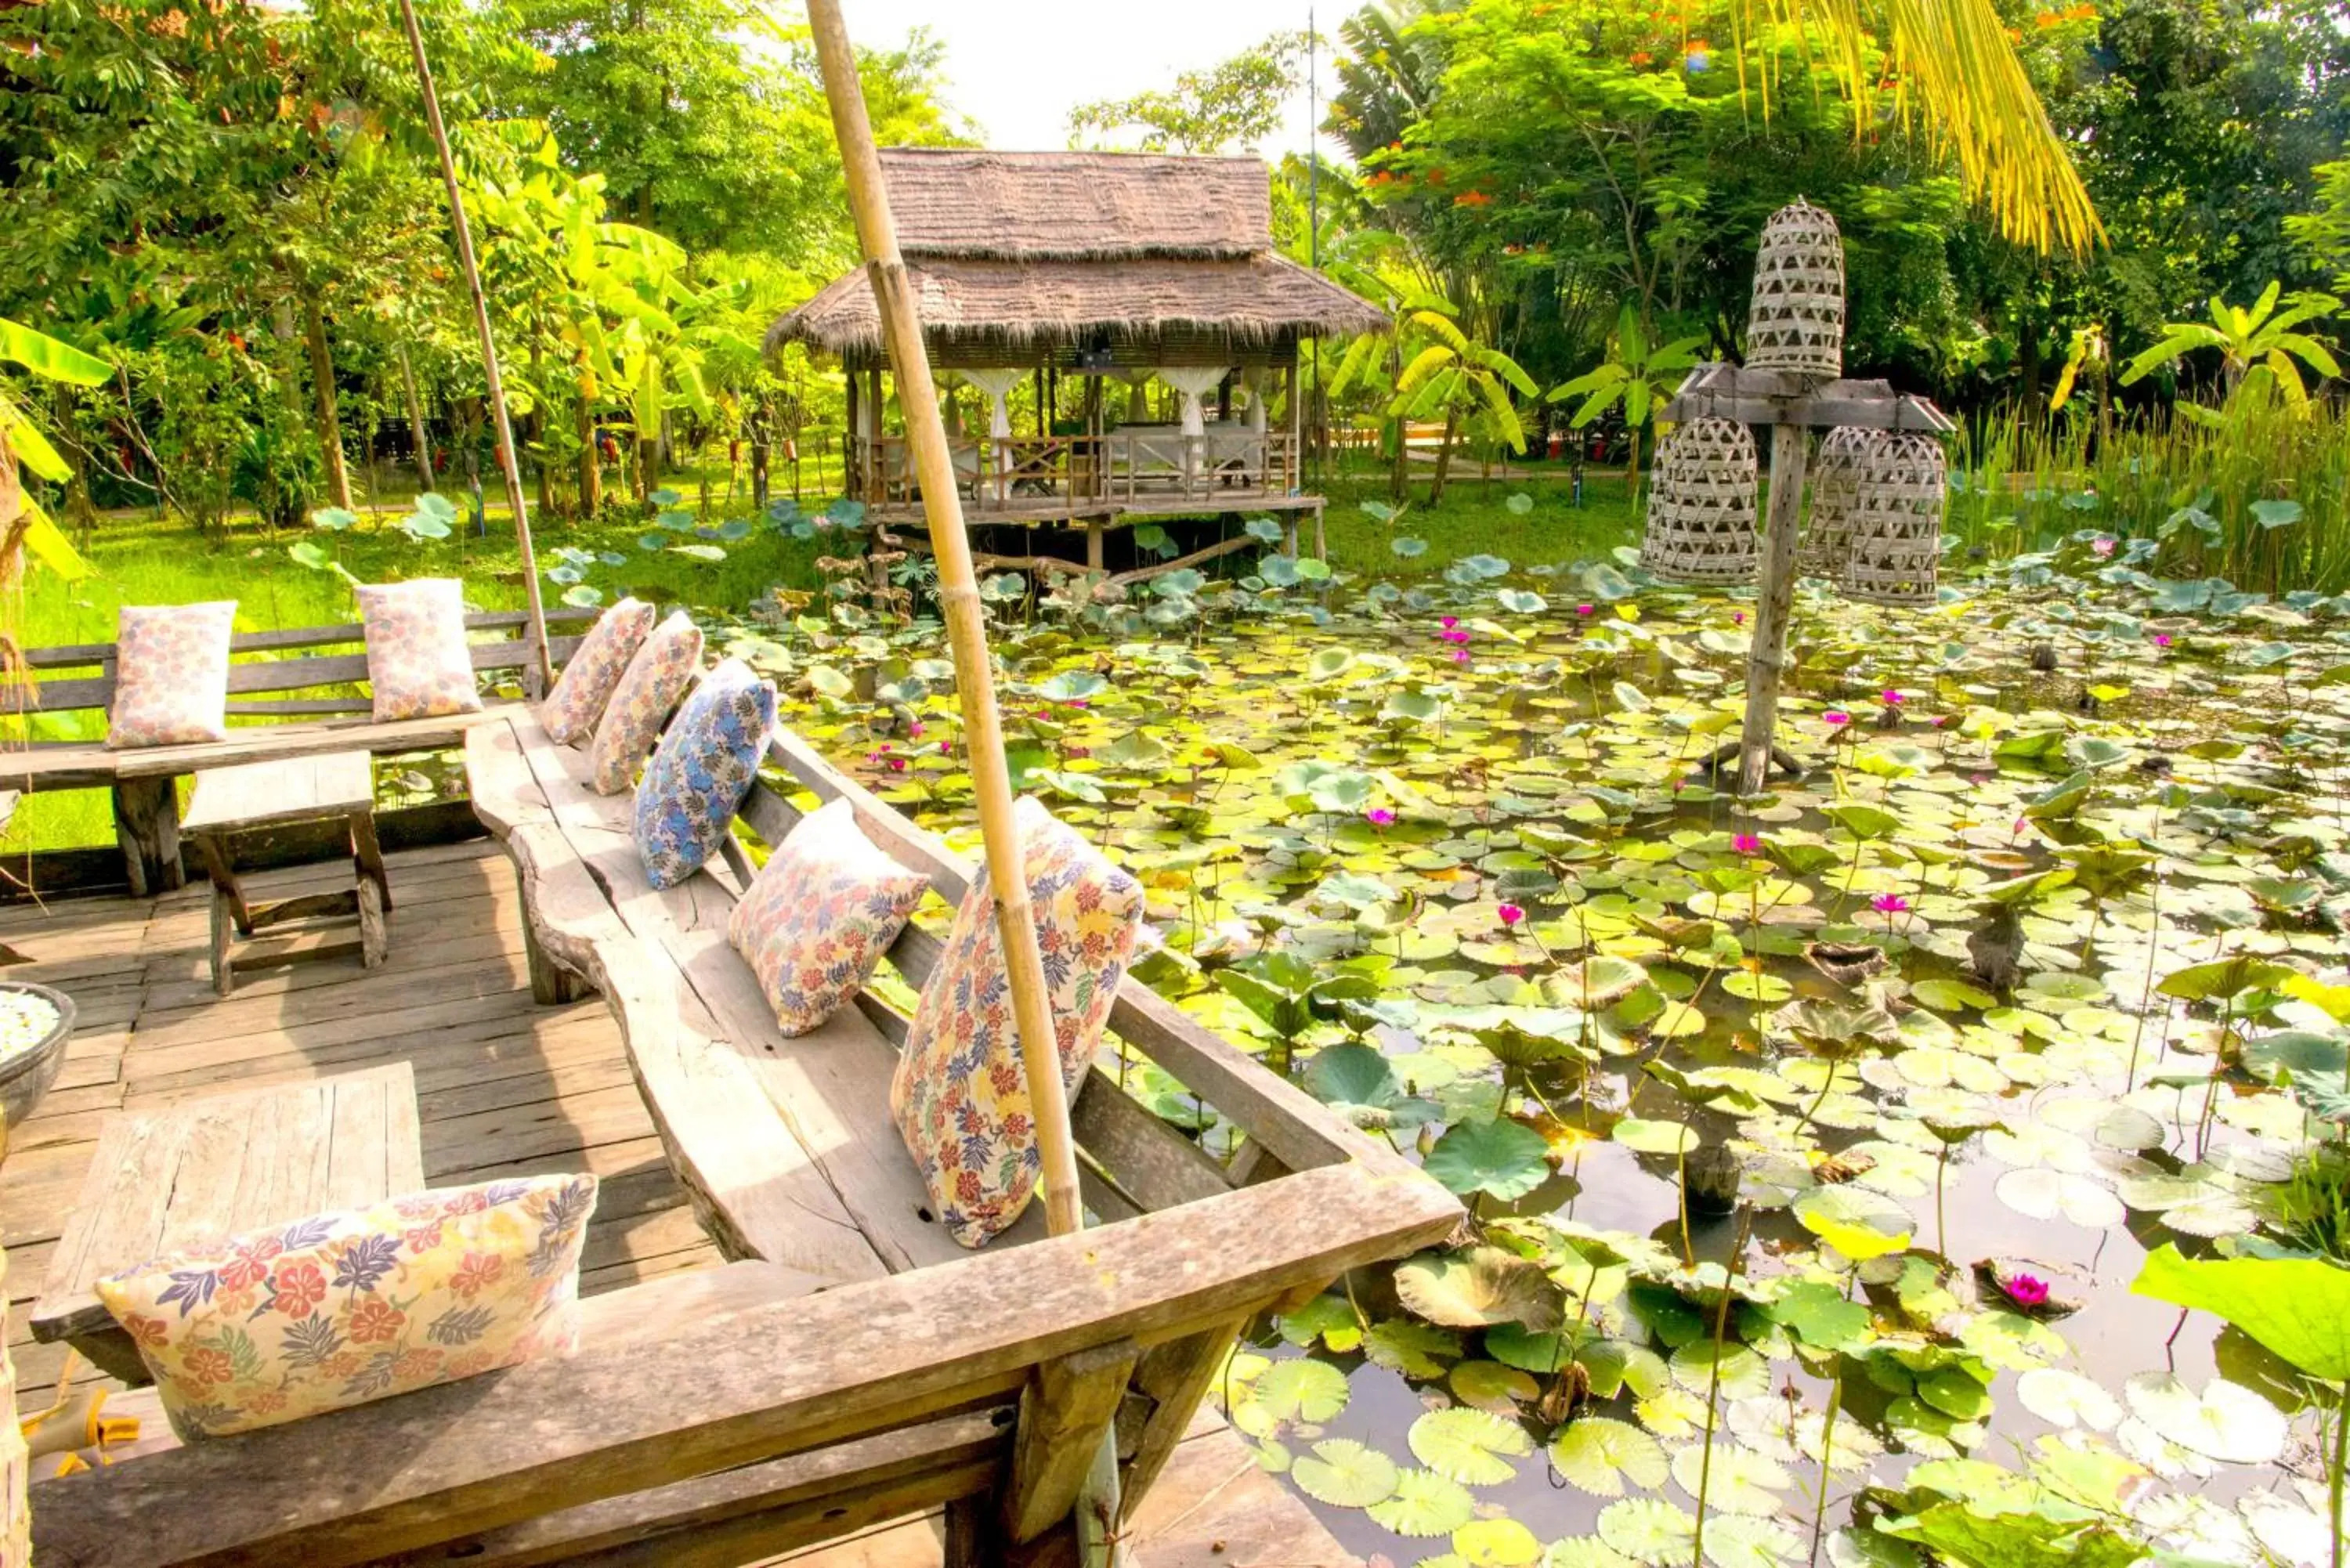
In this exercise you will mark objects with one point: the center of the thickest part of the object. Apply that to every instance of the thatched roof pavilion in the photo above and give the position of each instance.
(1070, 268)
(1161, 260)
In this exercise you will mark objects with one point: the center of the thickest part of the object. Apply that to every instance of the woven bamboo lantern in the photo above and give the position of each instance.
(1896, 549)
(1701, 525)
(1828, 533)
(1795, 321)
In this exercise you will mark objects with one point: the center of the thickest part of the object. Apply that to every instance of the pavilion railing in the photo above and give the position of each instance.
(1138, 466)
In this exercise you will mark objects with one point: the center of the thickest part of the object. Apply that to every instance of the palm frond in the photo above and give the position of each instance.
(1961, 84)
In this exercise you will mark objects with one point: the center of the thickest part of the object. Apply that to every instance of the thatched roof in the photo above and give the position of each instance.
(1029, 249)
(1075, 206)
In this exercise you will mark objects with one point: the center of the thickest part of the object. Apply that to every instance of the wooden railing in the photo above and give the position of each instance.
(1140, 464)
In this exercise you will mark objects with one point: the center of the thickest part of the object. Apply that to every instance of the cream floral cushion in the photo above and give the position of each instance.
(340, 1309)
(571, 710)
(704, 767)
(819, 916)
(656, 678)
(418, 664)
(959, 1096)
(171, 674)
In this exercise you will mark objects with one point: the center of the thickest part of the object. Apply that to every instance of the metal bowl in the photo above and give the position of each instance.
(26, 1077)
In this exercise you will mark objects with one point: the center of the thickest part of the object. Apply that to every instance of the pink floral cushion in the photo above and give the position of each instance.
(571, 710)
(656, 678)
(171, 674)
(819, 916)
(418, 663)
(959, 1096)
(343, 1308)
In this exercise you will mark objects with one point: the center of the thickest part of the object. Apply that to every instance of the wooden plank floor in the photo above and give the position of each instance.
(503, 1087)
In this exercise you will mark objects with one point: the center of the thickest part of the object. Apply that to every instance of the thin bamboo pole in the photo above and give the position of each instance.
(466, 265)
(1008, 877)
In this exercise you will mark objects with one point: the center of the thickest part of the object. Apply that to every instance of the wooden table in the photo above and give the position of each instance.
(215, 1167)
(251, 795)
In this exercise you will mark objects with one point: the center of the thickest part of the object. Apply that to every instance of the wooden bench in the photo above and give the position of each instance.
(79, 678)
(887, 1371)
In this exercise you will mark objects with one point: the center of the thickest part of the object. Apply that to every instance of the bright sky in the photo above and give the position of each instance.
(1017, 68)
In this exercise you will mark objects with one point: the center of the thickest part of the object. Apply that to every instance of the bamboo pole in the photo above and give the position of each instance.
(544, 667)
(959, 600)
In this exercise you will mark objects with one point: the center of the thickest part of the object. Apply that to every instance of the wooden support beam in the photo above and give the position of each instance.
(1174, 1376)
(1066, 1411)
(1144, 574)
(1766, 660)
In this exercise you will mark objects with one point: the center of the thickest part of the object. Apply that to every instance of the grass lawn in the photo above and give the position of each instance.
(141, 561)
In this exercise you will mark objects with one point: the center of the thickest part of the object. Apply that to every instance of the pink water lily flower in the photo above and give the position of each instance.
(1511, 914)
(1451, 621)
(1747, 844)
(1582, 609)
(1835, 716)
(2102, 546)
(2162, 639)
(1894, 699)
(897, 765)
(1379, 816)
(1889, 904)
(1738, 617)
(2027, 1290)
(1461, 656)
(946, 747)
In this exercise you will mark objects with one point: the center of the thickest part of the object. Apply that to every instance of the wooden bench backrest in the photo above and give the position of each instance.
(287, 666)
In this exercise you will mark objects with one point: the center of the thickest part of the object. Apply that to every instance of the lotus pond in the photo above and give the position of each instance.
(1939, 1158)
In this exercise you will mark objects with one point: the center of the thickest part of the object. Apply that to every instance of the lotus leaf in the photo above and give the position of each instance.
(1605, 1456)
(1425, 1504)
(1345, 1474)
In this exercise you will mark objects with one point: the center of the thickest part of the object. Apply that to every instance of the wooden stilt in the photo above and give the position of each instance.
(1175, 1376)
(147, 826)
(1773, 604)
(1094, 547)
(1065, 1413)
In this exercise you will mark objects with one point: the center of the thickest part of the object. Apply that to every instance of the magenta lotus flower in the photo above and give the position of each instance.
(1460, 656)
(1451, 621)
(2027, 1290)
(1747, 844)
(897, 765)
(1889, 904)
(1582, 609)
(914, 731)
(946, 747)
(1511, 914)
(1738, 617)
(2162, 639)
(1453, 636)
(1941, 719)
(1893, 698)
(1835, 716)
(1379, 816)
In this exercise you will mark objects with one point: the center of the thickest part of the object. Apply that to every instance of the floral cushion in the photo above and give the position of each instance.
(819, 916)
(656, 678)
(959, 1096)
(342, 1308)
(418, 663)
(171, 674)
(704, 769)
(571, 710)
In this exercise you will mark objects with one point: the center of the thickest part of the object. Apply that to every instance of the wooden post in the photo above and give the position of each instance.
(1175, 1377)
(1294, 466)
(541, 671)
(1094, 554)
(1064, 1415)
(1766, 660)
(147, 826)
(852, 484)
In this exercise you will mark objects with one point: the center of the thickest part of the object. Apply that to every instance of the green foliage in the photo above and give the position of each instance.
(1231, 105)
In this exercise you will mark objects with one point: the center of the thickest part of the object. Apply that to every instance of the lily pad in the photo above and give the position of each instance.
(2226, 1422)
(1649, 1530)
(1603, 1457)
(2043, 1194)
(1424, 1504)
(1345, 1474)
(1301, 1391)
(1471, 1446)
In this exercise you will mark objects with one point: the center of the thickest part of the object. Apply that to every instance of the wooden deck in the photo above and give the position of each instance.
(504, 1087)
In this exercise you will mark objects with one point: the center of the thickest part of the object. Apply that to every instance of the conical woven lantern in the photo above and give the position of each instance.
(1701, 506)
(1835, 478)
(1795, 321)
(1896, 549)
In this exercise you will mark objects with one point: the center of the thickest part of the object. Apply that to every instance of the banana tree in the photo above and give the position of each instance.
(1639, 378)
(2262, 349)
(24, 526)
(1462, 379)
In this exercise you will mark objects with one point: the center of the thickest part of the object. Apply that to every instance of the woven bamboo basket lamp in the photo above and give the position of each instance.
(1896, 549)
(1795, 321)
(1701, 526)
(1827, 532)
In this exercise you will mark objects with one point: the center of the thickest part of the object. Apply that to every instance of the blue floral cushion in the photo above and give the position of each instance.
(703, 768)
